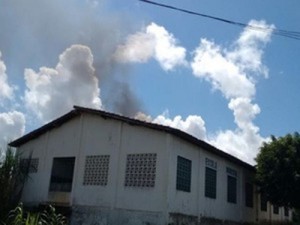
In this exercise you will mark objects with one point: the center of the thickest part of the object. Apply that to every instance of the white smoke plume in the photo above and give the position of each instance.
(234, 73)
(53, 92)
(6, 91)
(12, 125)
(152, 42)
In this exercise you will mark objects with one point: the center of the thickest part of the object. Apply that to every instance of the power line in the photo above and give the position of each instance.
(283, 33)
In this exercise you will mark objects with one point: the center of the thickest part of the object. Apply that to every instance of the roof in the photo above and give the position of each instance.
(178, 133)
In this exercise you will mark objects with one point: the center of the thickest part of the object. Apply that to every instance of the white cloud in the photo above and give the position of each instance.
(154, 41)
(6, 91)
(244, 142)
(233, 72)
(52, 92)
(211, 64)
(12, 125)
(193, 125)
(247, 53)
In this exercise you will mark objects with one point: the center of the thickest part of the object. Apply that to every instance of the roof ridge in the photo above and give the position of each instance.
(171, 130)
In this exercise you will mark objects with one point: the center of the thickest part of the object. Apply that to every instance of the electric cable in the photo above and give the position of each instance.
(283, 33)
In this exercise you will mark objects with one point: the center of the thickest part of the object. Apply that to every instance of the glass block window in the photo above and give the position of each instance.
(140, 170)
(275, 209)
(210, 183)
(249, 195)
(96, 170)
(263, 202)
(184, 171)
(231, 189)
(286, 211)
(31, 165)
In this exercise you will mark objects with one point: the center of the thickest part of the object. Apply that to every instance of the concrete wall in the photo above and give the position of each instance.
(93, 135)
(195, 203)
(89, 134)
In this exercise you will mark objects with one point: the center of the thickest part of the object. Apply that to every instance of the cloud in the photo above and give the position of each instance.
(52, 92)
(233, 72)
(6, 91)
(212, 65)
(248, 49)
(193, 124)
(153, 42)
(245, 140)
(12, 125)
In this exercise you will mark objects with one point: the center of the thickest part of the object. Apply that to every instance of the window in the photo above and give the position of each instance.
(231, 185)
(183, 179)
(30, 164)
(263, 202)
(210, 183)
(62, 174)
(140, 170)
(231, 189)
(210, 178)
(275, 209)
(249, 195)
(286, 211)
(96, 170)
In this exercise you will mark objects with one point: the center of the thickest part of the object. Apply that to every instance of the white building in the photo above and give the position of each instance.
(114, 170)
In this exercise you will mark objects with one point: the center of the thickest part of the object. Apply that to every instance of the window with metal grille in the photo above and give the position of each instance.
(210, 183)
(263, 202)
(184, 170)
(31, 165)
(96, 170)
(249, 195)
(140, 170)
(286, 211)
(231, 189)
(275, 209)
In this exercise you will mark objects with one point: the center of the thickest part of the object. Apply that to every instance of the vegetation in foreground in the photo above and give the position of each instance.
(48, 217)
(13, 176)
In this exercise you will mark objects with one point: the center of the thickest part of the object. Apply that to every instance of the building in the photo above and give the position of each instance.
(114, 170)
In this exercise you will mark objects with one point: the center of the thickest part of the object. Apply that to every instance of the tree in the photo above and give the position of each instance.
(13, 175)
(278, 170)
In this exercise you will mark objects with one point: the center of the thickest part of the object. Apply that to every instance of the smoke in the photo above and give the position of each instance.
(46, 28)
(94, 54)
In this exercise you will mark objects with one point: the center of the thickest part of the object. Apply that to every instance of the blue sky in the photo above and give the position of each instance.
(130, 57)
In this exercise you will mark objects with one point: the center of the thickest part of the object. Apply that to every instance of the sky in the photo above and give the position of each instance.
(230, 86)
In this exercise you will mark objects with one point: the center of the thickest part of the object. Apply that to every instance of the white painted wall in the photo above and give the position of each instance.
(194, 202)
(89, 134)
